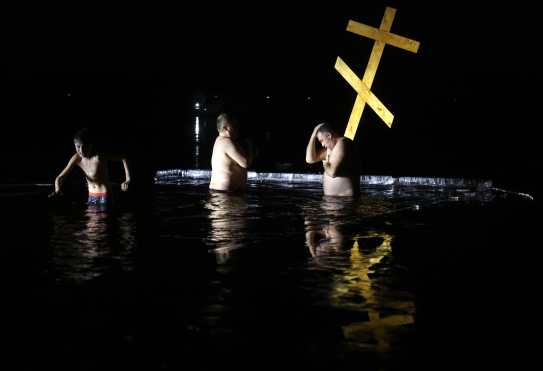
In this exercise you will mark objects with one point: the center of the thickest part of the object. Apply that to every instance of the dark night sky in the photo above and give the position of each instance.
(465, 105)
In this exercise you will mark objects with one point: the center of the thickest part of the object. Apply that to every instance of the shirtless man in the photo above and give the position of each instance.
(95, 167)
(228, 162)
(339, 159)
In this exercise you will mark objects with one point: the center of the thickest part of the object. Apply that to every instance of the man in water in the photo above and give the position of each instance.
(229, 161)
(95, 166)
(339, 159)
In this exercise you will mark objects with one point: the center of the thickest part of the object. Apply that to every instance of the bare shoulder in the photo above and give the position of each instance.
(223, 142)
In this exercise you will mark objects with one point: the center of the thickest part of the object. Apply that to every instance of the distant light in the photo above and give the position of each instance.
(197, 127)
(267, 97)
(197, 105)
(308, 98)
(69, 94)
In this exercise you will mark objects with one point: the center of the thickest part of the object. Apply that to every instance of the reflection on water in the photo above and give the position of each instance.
(197, 142)
(91, 242)
(228, 215)
(354, 259)
(327, 276)
(358, 279)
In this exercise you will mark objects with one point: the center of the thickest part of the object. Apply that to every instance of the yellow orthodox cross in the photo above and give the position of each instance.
(382, 36)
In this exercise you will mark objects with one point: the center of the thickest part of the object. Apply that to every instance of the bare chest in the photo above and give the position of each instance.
(93, 168)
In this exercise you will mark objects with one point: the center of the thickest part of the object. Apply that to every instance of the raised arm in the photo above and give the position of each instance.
(76, 159)
(311, 154)
(235, 153)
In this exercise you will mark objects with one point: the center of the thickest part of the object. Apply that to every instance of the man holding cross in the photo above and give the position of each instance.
(339, 159)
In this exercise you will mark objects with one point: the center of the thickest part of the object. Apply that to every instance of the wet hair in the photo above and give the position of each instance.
(85, 136)
(327, 128)
(226, 119)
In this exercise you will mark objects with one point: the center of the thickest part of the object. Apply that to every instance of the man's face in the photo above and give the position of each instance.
(325, 139)
(82, 150)
(232, 131)
(78, 147)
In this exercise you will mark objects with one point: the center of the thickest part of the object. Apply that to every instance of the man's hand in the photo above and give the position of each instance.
(317, 128)
(326, 160)
(55, 194)
(124, 185)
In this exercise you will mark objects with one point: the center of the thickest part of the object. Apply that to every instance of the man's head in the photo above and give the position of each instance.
(227, 125)
(85, 143)
(327, 136)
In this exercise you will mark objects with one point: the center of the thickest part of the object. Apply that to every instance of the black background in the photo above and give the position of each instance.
(465, 105)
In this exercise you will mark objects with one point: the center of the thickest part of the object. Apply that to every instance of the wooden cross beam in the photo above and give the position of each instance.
(382, 36)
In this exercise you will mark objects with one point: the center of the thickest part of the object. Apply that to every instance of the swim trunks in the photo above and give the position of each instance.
(98, 198)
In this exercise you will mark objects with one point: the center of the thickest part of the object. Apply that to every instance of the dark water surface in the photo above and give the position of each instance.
(426, 277)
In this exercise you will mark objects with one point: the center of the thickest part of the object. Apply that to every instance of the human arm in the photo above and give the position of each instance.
(251, 151)
(124, 185)
(124, 160)
(310, 242)
(235, 153)
(74, 161)
(311, 154)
